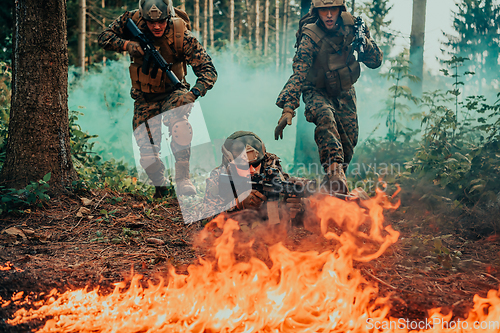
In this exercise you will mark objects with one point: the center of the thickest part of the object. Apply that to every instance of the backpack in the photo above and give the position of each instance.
(306, 19)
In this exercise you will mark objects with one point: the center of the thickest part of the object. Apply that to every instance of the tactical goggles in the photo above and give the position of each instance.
(246, 166)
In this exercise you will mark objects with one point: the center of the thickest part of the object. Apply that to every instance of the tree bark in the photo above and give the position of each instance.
(257, 24)
(266, 28)
(249, 23)
(277, 16)
(285, 31)
(205, 25)
(231, 22)
(38, 141)
(81, 34)
(417, 45)
(196, 26)
(211, 21)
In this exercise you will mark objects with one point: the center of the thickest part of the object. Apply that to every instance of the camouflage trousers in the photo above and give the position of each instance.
(336, 121)
(147, 126)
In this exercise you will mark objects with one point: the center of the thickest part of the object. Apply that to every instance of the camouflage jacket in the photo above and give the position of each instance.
(114, 37)
(303, 60)
(214, 203)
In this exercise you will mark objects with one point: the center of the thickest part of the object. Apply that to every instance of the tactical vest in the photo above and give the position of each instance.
(161, 83)
(331, 70)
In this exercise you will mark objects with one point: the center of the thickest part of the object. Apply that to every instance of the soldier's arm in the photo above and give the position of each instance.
(200, 61)
(372, 56)
(302, 62)
(113, 38)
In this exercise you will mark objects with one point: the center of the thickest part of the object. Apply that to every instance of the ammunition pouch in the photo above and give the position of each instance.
(342, 79)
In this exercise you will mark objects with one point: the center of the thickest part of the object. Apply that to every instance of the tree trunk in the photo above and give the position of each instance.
(38, 140)
(183, 5)
(211, 21)
(277, 16)
(417, 45)
(306, 151)
(353, 8)
(257, 25)
(81, 35)
(249, 23)
(266, 28)
(231, 22)
(285, 32)
(205, 25)
(196, 26)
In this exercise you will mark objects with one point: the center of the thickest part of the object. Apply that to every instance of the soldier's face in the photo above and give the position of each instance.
(248, 172)
(329, 16)
(157, 28)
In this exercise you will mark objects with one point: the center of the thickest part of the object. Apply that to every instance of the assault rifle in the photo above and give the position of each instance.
(359, 41)
(270, 184)
(152, 54)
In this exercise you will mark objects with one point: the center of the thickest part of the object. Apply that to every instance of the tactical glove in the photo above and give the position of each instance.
(134, 49)
(286, 119)
(187, 98)
(253, 201)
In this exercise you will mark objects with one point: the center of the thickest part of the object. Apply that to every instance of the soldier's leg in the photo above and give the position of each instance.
(321, 110)
(176, 119)
(147, 132)
(348, 124)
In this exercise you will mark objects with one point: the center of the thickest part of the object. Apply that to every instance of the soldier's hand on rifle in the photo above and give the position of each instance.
(253, 201)
(134, 49)
(286, 119)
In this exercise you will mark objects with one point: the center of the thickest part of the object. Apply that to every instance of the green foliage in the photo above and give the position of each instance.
(35, 193)
(476, 24)
(377, 13)
(396, 112)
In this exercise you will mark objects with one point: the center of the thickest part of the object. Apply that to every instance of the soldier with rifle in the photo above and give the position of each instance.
(324, 71)
(269, 190)
(157, 36)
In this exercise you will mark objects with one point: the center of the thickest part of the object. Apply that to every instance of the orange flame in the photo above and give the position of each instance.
(299, 292)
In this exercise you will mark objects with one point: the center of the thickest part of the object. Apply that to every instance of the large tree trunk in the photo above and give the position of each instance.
(38, 141)
(231, 22)
(81, 34)
(417, 45)
(306, 151)
(266, 28)
(257, 25)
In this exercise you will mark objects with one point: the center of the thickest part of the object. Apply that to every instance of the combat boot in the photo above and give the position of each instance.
(183, 184)
(334, 181)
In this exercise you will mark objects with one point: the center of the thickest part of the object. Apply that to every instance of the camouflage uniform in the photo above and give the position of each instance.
(148, 106)
(215, 203)
(335, 117)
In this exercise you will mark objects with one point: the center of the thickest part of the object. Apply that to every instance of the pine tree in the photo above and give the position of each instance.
(477, 23)
(377, 13)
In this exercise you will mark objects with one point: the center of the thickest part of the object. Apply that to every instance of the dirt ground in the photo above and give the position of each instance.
(97, 239)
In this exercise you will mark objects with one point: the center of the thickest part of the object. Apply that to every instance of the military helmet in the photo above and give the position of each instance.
(329, 3)
(156, 10)
(238, 143)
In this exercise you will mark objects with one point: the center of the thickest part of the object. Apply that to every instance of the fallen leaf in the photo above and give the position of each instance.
(28, 232)
(15, 232)
(86, 201)
(156, 241)
(82, 211)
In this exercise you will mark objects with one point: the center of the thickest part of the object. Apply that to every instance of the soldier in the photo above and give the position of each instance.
(324, 71)
(244, 154)
(155, 96)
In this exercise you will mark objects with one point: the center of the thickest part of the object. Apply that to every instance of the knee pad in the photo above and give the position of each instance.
(182, 133)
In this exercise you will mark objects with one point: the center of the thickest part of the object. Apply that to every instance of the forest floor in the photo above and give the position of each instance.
(97, 239)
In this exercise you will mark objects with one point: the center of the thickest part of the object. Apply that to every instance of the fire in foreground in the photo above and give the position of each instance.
(299, 292)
